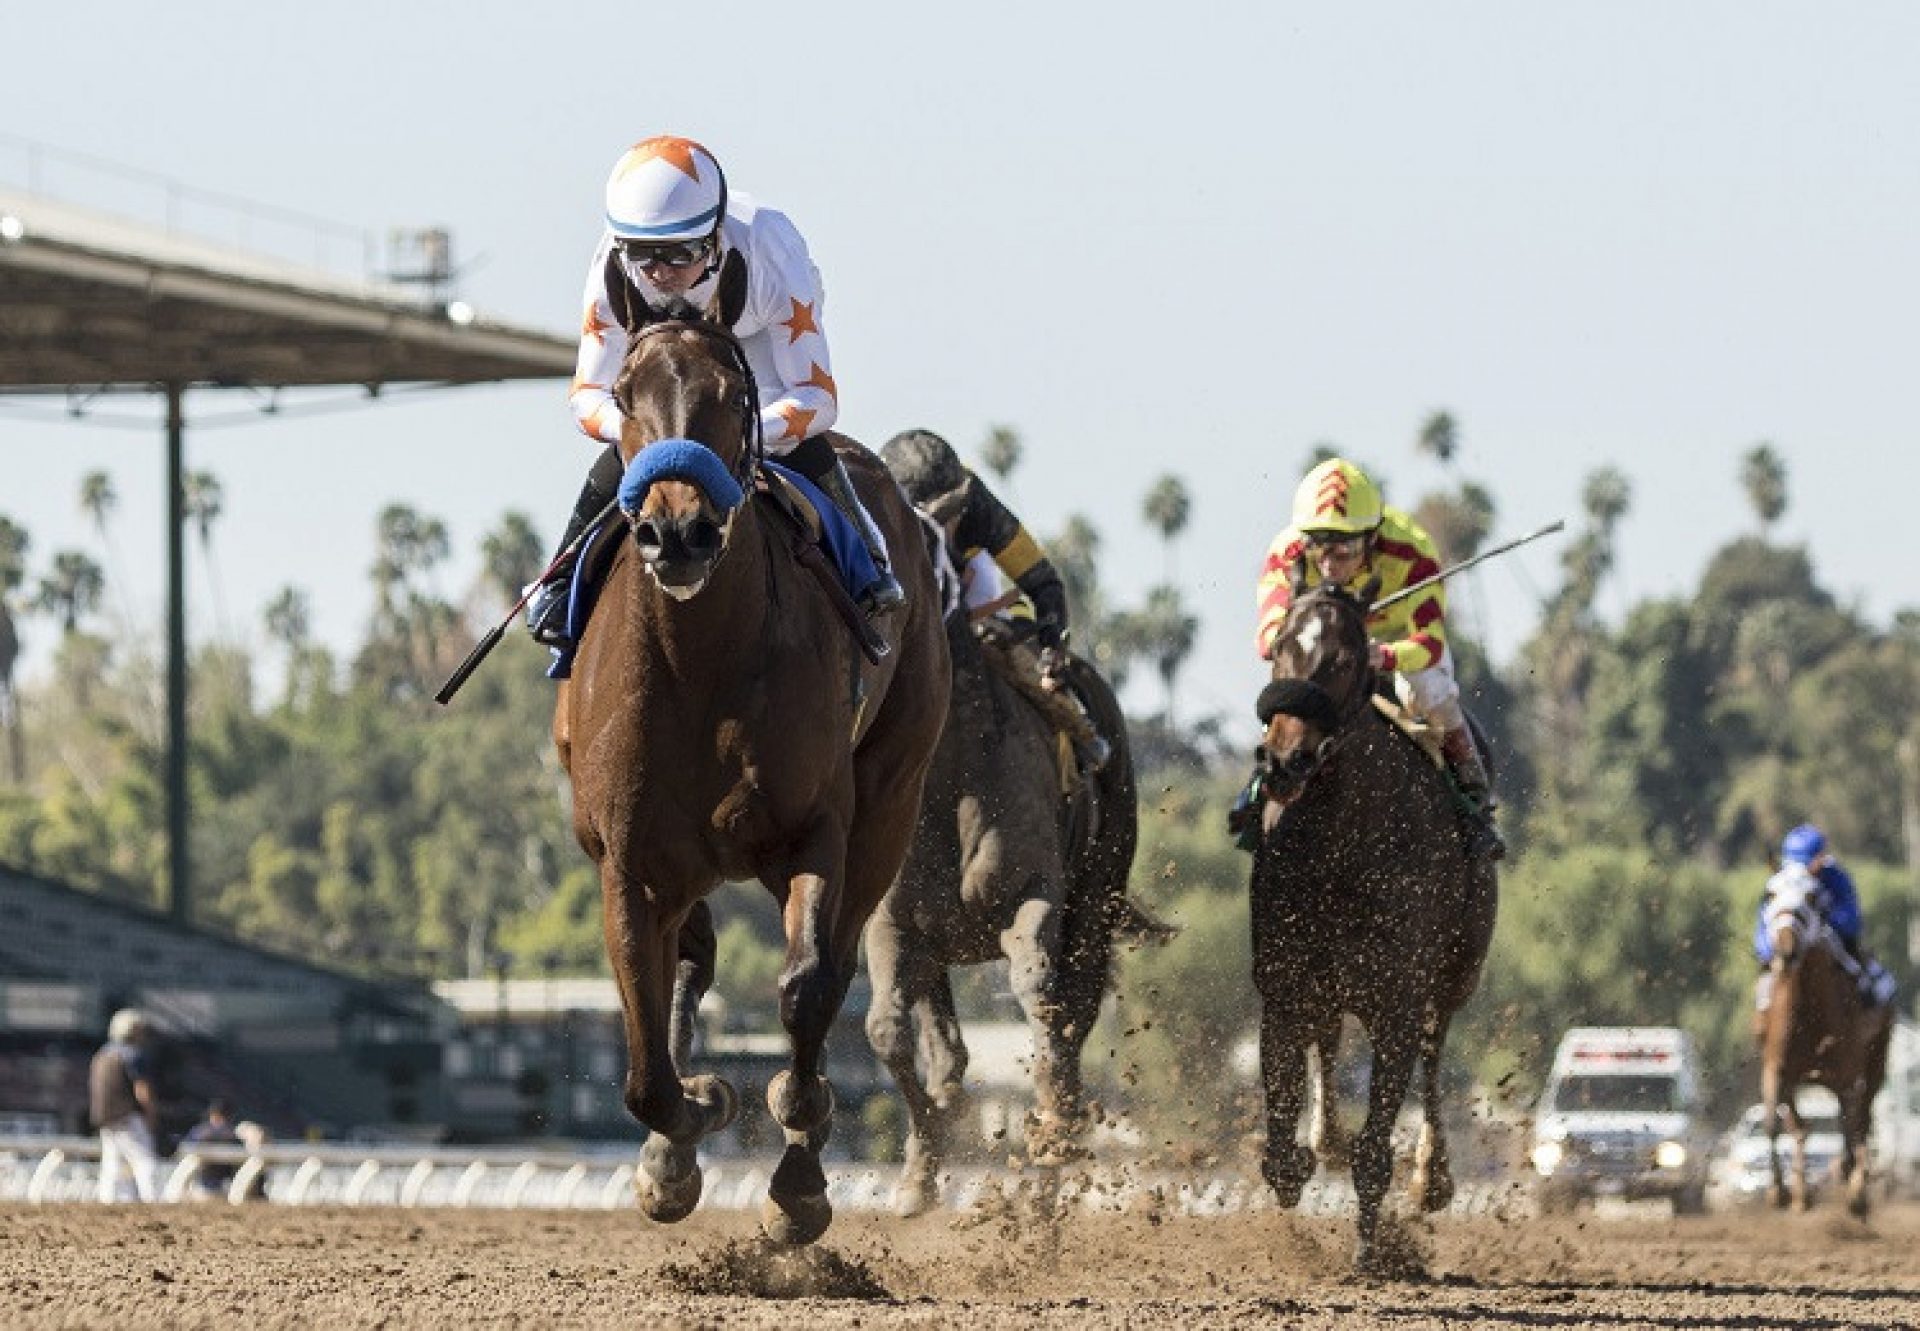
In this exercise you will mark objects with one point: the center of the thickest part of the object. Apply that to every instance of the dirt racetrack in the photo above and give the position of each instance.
(273, 1266)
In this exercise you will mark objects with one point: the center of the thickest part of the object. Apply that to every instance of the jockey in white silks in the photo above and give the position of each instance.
(673, 230)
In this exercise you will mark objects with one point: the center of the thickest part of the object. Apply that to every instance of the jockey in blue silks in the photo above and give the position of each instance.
(1839, 902)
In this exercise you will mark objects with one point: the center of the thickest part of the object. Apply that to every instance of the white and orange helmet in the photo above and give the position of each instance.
(666, 189)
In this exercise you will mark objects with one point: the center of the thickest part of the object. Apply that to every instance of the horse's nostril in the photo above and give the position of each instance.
(647, 536)
(703, 537)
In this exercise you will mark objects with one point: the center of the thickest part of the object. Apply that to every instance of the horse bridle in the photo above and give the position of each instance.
(752, 427)
(1310, 701)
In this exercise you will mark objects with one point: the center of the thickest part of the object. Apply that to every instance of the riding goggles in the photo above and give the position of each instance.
(668, 254)
(1335, 542)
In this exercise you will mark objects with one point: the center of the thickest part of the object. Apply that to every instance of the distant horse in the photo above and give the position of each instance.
(1364, 902)
(1816, 1028)
(1003, 863)
(720, 725)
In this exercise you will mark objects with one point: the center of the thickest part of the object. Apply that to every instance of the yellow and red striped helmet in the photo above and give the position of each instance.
(1336, 496)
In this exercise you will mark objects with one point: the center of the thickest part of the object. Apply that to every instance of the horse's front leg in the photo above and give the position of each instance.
(1286, 1165)
(819, 966)
(1395, 1046)
(643, 946)
(1802, 1198)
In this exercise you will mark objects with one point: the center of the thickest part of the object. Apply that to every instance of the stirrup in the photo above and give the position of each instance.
(883, 595)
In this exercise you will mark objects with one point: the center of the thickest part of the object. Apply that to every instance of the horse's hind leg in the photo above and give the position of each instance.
(1030, 944)
(1326, 1135)
(1855, 1122)
(1432, 1182)
(901, 976)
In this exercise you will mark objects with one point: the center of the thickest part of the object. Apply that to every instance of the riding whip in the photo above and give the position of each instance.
(498, 631)
(1465, 564)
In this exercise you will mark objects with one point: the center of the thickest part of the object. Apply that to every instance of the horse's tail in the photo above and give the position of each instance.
(1104, 823)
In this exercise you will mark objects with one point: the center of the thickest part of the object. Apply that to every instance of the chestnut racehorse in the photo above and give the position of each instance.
(1364, 902)
(1816, 1028)
(720, 725)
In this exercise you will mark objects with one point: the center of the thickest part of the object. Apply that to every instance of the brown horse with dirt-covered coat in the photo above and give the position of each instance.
(722, 724)
(1365, 901)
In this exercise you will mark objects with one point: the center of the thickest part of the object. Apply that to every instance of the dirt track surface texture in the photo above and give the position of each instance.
(272, 1266)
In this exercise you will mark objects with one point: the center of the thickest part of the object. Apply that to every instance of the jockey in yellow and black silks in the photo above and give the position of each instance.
(1343, 533)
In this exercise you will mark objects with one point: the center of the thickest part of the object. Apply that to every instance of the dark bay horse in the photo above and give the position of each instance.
(721, 725)
(1364, 902)
(1003, 863)
(1816, 1028)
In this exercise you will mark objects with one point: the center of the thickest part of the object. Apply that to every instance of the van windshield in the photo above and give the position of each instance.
(1618, 1091)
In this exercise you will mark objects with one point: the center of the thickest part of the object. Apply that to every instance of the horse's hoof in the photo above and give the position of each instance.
(914, 1197)
(1435, 1192)
(666, 1201)
(1287, 1174)
(802, 1107)
(716, 1097)
(1777, 1198)
(795, 1221)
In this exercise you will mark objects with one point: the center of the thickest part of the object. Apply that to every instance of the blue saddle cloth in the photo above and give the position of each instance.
(841, 540)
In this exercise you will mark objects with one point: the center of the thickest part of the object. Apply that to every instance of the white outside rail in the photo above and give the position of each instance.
(66, 1169)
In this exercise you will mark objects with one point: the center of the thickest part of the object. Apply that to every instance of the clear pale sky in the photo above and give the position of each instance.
(1152, 238)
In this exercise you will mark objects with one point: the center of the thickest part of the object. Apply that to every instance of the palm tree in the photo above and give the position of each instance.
(510, 555)
(1002, 451)
(203, 500)
(1324, 451)
(72, 590)
(1440, 437)
(99, 501)
(1168, 633)
(289, 618)
(1764, 475)
(13, 571)
(1167, 509)
(1607, 495)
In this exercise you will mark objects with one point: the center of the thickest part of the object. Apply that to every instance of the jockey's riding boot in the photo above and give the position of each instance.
(884, 594)
(547, 607)
(1243, 818)
(1484, 841)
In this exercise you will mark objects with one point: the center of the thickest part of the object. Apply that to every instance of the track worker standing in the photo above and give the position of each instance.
(673, 230)
(124, 1109)
(1342, 533)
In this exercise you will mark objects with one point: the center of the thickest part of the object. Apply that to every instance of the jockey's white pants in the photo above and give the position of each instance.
(129, 1168)
(1433, 693)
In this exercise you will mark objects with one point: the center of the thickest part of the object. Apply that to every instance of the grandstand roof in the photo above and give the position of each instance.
(88, 301)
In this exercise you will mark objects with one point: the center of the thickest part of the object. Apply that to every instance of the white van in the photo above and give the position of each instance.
(1620, 1117)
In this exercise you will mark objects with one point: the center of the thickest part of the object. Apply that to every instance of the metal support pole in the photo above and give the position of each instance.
(179, 876)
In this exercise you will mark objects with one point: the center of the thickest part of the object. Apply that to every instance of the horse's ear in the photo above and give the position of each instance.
(1369, 590)
(1297, 574)
(729, 300)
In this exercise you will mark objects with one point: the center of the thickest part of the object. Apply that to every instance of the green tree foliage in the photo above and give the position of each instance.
(1764, 477)
(1001, 452)
(71, 589)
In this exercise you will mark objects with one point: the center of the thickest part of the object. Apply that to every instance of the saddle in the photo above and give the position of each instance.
(1425, 737)
(812, 522)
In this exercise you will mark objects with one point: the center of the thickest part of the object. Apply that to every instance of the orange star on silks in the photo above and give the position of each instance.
(800, 323)
(593, 326)
(821, 379)
(797, 417)
(673, 151)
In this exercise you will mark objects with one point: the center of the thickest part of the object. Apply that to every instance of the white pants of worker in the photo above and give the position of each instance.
(128, 1166)
(1433, 693)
